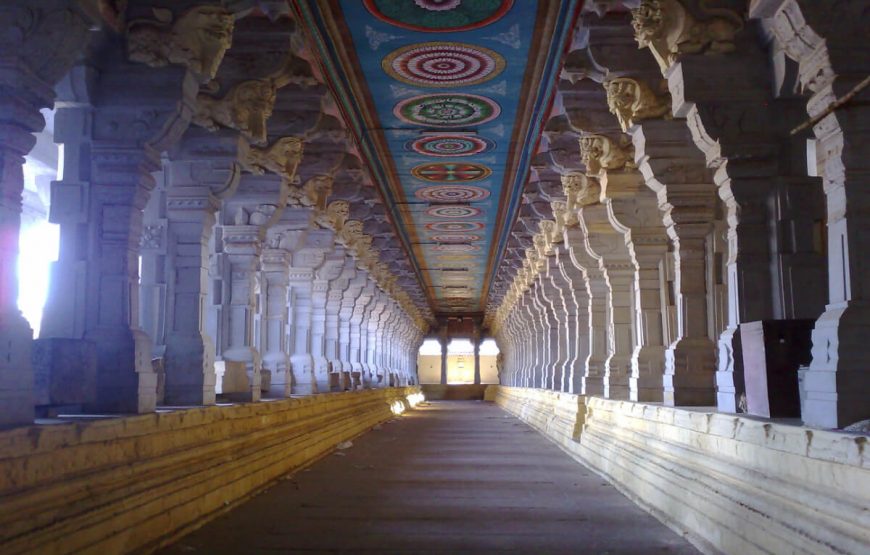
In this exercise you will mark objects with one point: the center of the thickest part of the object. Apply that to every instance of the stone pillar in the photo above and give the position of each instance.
(824, 39)
(566, 321)
(443, 340)
(687, 198)
(319, 293)
(592, 380)
(189, 355)
(348, 303)
(242, 245)
(632, 211)
(609, 251)
(567, 310)
(16, 372)
(476, 342)
(357, 339)
(153, 286)
(542, 371)
(577, 300)
(275, 264)
(304, 381)
(337, 288)
(32, 63)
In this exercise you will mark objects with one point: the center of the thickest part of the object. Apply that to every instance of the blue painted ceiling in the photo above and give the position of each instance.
(446, 99)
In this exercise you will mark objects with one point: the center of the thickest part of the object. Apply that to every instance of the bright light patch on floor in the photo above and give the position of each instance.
(415, 399)
(397, 407)
(38, 245)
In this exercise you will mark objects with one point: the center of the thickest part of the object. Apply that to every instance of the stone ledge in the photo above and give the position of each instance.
(731, 484)
(126, 484)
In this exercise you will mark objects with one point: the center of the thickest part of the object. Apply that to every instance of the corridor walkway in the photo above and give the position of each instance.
(450, 477)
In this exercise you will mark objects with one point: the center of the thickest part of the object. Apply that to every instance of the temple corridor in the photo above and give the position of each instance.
(450, 477)
(571, 275)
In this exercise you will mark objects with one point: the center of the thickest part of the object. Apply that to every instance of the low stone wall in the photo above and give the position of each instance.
(731, 484)
(127, 484)
(454, 392)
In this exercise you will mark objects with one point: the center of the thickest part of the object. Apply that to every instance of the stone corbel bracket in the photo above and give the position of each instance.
(580, 190)
(631, 101)
(246, 108)
(281, 158)
(600, 153)
(668, 29)
(197, 39)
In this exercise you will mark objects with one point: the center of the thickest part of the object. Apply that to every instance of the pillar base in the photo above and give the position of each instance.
(16, 373)
(616, 377)
(837, 384)
(729, 376)
(647, 369)
(690, 368)
(64, 372)
(304, 381)
(126, 381)
(593, 382)
(190, 372)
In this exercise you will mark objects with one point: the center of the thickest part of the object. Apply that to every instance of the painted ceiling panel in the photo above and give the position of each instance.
(447, 98)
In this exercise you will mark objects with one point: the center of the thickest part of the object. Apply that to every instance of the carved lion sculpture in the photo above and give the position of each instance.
(198, 40)
(282, 158)
(600, 153)
(632, 101)
(669, 30)
(246, 107)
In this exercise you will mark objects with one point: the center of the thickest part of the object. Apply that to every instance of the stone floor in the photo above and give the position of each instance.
(450, 477)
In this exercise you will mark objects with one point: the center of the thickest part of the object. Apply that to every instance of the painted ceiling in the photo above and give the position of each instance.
(447, 99)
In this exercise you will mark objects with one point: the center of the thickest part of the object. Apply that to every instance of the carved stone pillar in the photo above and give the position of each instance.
(577, 301)
(542, 371)
(349, 301)
(242, 245)
(568, 308)
(442, 340)
(301, 282)
(827, 41)
(632, 211)
(687, 198)
(275, 264)
(372, 368)
(39, 44)
(608, 250)
(337, 288)
(475, 341)
(592, 381)
(357, 335)
(563, 316)
(189, 354)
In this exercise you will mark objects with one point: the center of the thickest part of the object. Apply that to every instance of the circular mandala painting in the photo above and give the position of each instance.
(443, 64)
(454, 238)
(451, 193)
(439, 16)
(450, 145)
(453, 211)
(447, 110)
(451, 173)
(456, 248)
(454, 227)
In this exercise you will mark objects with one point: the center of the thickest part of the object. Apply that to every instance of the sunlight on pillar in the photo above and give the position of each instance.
(39, 240)
(38, 245)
